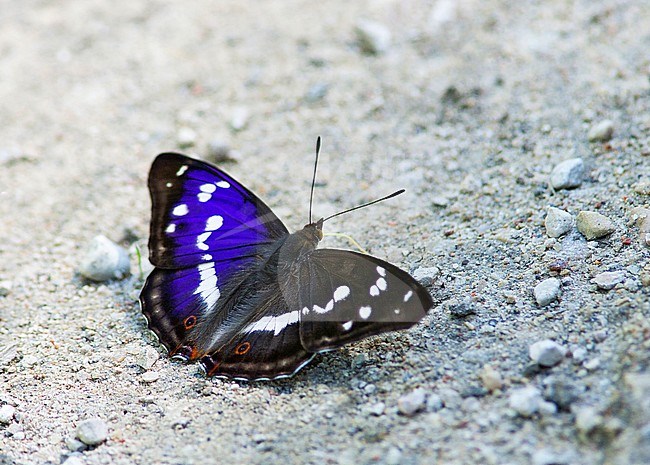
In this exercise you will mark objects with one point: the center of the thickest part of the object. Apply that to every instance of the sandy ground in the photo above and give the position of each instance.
(469, 108)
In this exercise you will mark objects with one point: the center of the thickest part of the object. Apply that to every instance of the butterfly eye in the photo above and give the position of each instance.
(242, 348)
(189, 322)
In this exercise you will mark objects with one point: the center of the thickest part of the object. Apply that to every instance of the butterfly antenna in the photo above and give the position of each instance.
(313, 180)
(394, 194)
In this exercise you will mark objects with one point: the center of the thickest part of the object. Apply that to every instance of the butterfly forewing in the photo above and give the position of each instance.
(206, 230)
(346, 296)
(201, 214)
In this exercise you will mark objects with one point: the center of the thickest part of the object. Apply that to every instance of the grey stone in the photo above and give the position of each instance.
(557, 222)
(7, 413)
(568, 174)
(561, 392)
(525, 401)
(434, 403)
(104, 260)
(461, 309)
(601, 132)
(609, 279)
(377, 409)
(546, 353)
(74, 444)
(185, 137)
(411, 403)
(150, 376)
(74, 460)
(373, 37)
(547, 291)
(426, 275)
(92, 431)
(594, 225)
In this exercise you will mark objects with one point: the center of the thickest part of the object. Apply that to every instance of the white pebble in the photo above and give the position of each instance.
(411, 403)
(525, 401)
(92, 431)
(186, 137)
(104, 260)
(426, 275)
(373, 37)
(150, 376)
(546, 353)
(587, 419)
(568, 174)
(7, 413)
(239, 118)
(601, 132)
(557, 222)
(609, 279)
(547, 291)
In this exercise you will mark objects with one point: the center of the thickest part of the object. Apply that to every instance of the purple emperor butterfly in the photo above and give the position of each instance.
(233, 289)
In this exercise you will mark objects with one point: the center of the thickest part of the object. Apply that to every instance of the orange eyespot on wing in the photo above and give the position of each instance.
(189, 322)
(242, 348)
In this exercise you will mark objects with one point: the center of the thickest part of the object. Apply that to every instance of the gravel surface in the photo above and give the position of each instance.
(467, 104)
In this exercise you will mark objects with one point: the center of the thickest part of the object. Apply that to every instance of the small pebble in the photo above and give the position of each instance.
(434, 403)
(546, 353)
(74, 444)
(5, 287)
(7, 413)
(461, 309)
(557, 222)
(609, 279)
(562, 393)
(594, 225)
(73, 460)
(491, 378)
(377, 409)
(185, 137)
(373, 37)
(104, 260)
(426, 275)
(150, 376)
(317, 92)
(525, 401)
(411, 403)
(219, 151)
(568, 174)
(579, 354)
(547, 291)
(547, 409)
(587, 420)
(601, 132)
(393, 456)
(592, 364)
(642, 187)
(239, 118)
(92, 431)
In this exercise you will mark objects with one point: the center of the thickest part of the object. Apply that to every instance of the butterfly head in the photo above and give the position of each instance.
(314, 231)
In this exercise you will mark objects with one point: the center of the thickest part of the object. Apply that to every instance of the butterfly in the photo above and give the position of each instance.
(235, 291)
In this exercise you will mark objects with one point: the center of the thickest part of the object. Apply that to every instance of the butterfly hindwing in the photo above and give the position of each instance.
(346, 296)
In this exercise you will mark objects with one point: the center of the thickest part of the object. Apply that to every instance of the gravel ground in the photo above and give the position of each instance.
(468, 104)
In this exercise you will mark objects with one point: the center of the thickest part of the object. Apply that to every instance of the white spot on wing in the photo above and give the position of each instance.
(214, 223)
(207, 256)
(347, 325)
(171, 228)
(203, 196)
(200, 240)
(181, 170)
(169, 184)
(274, 323)
(381, 284)
(381, 271)
(180, 210)
(374, 291)
(209, 188)
(364, 312)
(207, 288)
(223, 184)
(341, 293)
(318, 309)
(305, 311)
(407, 296)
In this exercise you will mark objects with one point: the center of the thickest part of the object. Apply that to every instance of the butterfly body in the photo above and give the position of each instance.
(233, 289)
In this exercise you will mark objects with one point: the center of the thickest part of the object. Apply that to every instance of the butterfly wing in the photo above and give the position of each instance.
(266, 346)
(346, 296)
(205, 229)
